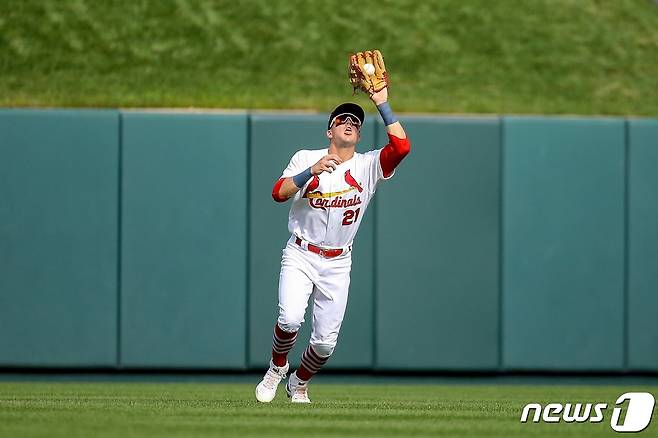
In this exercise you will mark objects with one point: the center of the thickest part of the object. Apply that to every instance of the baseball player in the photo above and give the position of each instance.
(330, 190)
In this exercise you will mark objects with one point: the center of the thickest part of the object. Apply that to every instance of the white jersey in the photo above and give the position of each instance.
(328, 210)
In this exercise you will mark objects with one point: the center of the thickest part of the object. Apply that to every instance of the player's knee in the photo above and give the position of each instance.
(324, 350)
(290, 326)
(290, 323)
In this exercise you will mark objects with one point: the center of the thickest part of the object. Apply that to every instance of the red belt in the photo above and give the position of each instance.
(328, 253)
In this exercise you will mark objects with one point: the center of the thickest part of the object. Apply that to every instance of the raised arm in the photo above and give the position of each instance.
(398, 145)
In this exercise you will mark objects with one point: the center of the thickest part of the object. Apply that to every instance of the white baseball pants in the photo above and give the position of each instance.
(305, 273)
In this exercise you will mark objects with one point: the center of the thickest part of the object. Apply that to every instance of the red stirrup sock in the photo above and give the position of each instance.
(311, 364)
(282, 343)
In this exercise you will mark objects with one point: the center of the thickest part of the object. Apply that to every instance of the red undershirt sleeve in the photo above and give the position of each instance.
(393, 153)
(276, 189)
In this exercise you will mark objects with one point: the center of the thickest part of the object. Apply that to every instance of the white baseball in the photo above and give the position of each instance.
(369, 68)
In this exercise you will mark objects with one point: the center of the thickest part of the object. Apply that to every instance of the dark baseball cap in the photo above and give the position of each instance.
(347, 108)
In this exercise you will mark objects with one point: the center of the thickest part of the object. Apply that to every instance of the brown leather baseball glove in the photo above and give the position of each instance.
(368, 81)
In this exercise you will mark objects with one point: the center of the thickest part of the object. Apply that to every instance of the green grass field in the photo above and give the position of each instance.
(447, 56)
(220, 409)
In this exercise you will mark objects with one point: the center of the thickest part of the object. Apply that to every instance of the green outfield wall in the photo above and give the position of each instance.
(642, 240)
(134, 239)
(563, 245)
(437, 249)
(183, 233)
(59, 179)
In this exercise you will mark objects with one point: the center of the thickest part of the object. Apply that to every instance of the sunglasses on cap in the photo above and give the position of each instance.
(344, 118)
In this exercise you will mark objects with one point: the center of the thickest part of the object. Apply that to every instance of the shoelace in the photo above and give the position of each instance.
(301, 390)
(272, 379)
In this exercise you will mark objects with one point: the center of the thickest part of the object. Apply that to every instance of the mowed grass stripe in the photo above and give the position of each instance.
(215, 409)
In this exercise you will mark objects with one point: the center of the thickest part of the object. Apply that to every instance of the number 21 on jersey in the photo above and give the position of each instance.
(350, 216)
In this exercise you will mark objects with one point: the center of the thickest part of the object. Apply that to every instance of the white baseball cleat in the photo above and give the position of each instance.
(297, 391)
(266, 389)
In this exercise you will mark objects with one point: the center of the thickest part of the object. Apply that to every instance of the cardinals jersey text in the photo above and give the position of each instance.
(328, 210)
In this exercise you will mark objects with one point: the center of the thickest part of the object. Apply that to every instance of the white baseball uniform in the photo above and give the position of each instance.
(325, 212)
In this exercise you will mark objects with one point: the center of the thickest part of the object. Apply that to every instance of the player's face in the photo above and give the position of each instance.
(346, 129)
